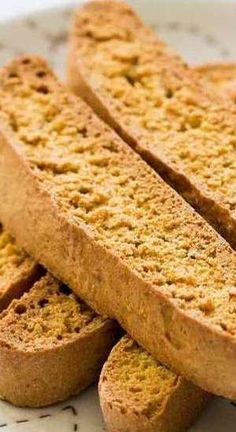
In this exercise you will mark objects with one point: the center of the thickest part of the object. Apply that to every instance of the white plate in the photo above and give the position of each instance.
(201, 31)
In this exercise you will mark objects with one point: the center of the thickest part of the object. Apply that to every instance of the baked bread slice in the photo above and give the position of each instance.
(139, 394)
(222, 76)
(158, 105)
(18, 271)
(92, 211)
(52, 345)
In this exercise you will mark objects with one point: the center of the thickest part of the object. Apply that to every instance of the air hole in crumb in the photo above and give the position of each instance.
(14, 124)
(130, 80)
(223, 326)
(84, 190)
(26, 61)
(183, 128)
(59, 337)
(43, 89)
(77, 329)
(41, 73)
(13, 75)
(64, 289)
(135, 389)
(169, 93)
(168, 337)
(43, 302)
(20, 309)
(123, 410)
(84, 132)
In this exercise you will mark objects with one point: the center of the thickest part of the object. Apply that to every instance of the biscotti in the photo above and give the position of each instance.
(159, 106)
(18, 271)
(138, 394)
(92, 211)
(222, 76)
(52, 345)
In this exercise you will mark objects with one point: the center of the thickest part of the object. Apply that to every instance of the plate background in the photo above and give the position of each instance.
(199, 30)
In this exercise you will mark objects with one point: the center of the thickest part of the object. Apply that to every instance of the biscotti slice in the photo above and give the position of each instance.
(52, 345)
(138, 394)
(92, 211)
(18, 271)
(159, 106)
(222, 76)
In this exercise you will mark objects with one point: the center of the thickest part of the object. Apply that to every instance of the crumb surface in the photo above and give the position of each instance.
(158, 100)
(100, 183)
(14, 262)
(49, 315)
(137, 382)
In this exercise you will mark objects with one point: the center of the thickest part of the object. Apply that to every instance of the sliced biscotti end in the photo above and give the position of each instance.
(138, 394)
(18, 271)
(52, 345)
(222, 76)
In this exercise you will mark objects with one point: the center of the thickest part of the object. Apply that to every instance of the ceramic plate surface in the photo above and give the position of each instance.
(199, 30)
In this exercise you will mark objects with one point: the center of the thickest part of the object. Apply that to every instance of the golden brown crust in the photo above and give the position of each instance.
(59, 343)
(158, 105)
(137, 285)
(138, 394)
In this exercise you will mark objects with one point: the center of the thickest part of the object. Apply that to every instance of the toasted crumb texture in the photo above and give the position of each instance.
(18, 270)
(140, 381)
(133, 248)
(98, 181)
(52, 345)
(137, 393)
(222, 76)
(159, 106)
(47, 316)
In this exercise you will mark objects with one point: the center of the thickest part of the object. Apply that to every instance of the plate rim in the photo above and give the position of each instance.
(40, 10)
